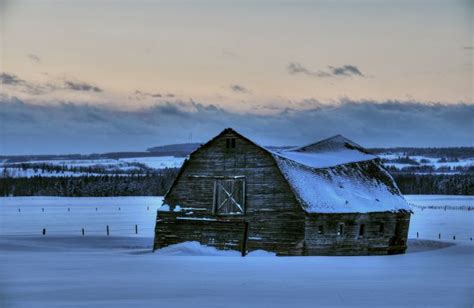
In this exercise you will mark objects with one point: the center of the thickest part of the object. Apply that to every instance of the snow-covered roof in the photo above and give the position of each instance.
(337, 175)
(342, 189)
(326, 159)
(333, 151)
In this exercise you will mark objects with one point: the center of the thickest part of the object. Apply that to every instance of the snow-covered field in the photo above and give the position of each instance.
(161, 162)
(437, 163)
(64, 268)
(122, 164)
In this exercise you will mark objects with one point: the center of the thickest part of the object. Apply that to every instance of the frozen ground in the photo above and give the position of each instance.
(65, 269)
(123, 164)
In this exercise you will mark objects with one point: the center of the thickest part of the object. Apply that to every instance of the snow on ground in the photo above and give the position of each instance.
(429, 223)
(63, 268)
(122, 164)
(425, 161)
(159, 162)
(68, 215)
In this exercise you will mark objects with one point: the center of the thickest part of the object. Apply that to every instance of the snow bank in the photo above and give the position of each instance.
(196, 249)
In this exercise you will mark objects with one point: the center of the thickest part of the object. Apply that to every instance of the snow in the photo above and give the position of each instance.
(122, 164)
(428, 161)
(429, 223)
(67, 269)
(196, 249)
(326, 159)
(159, 162)
(338, 192)
(67, 216)
(30, 172)
(330, 152)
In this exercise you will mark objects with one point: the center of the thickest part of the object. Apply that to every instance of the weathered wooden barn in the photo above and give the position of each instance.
(328, 198)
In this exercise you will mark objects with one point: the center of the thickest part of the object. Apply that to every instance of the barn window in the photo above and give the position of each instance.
(362, 230)
(230, 143)
(229, 197)
(320, 229)
(340, 229)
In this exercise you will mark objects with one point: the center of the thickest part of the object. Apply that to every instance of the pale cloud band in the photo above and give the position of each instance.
(77, 128)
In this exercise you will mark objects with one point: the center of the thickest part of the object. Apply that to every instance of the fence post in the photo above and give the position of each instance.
(19, 210)
(417, 234)
(82, 231)
(439, 236)
(119, 209)
(108, 230)
(136, 229)
(244, 240)
(147, 208)
(42, 209)
(44, 231)
(454, 237)
(68, 209)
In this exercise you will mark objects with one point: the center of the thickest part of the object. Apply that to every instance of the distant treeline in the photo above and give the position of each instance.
(459, 184)
(158, 184)
(431, 169)
(89, 186)
(449, 153)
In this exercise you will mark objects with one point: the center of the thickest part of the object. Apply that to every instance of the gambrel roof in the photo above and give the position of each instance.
(335, 175)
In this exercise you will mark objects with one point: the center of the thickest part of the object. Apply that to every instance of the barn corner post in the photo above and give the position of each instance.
(156, 232)
(244, 239)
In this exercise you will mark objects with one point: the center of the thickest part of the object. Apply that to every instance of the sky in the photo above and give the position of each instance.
(97, 76)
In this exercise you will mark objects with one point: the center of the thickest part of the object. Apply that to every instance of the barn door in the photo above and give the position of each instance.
(229, 196)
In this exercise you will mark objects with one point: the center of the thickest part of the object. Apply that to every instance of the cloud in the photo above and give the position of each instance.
(35, 88)
(81, 86)
(141, 94)
(78, 128)
(239, 89)
(10, 79)
(22, 85)
(34, 58)
(348, 70)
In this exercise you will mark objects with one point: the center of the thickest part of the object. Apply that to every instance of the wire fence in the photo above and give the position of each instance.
(139, 220)
(78, 220)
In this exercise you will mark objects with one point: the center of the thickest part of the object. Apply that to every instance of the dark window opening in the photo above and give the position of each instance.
(340, 229)
(381, 228)
(320, 229)
(362, 230)
(230, 143)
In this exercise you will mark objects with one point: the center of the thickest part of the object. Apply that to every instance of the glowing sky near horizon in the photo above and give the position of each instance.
(239, 55)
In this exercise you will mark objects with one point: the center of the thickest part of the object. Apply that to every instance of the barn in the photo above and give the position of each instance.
(331, 197)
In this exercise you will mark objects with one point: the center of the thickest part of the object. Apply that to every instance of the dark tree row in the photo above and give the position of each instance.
(462, 184)
(157, 184)
(89, 186)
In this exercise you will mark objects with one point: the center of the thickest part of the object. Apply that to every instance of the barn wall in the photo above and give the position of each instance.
(392, 240)
(276, 220)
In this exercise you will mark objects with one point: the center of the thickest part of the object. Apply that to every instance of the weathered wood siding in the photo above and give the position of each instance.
(392, 240)
(174, 227)
(276, 220)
